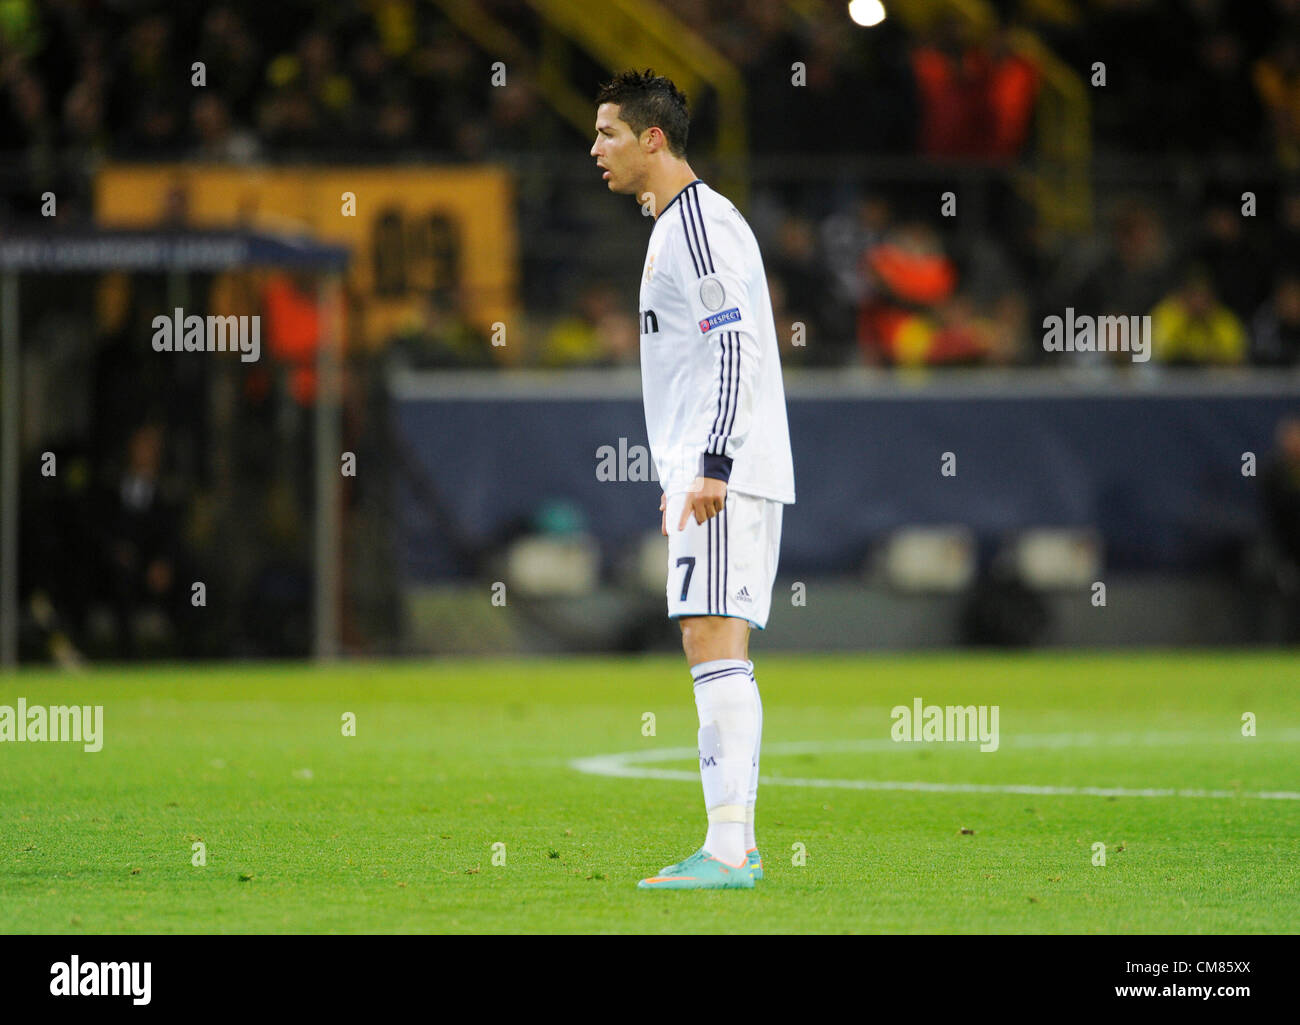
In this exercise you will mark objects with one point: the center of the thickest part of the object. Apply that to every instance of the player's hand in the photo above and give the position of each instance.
(706, 499)
(663, 515)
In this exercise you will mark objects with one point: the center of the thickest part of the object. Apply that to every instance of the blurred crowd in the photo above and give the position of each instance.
(876, 283)
(320, 76)
(868, 271)
(1195, 118)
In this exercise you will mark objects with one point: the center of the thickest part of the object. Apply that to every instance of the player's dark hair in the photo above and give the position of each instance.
(646, 100)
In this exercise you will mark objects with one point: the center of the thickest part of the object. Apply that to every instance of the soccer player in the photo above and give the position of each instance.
(715, 416)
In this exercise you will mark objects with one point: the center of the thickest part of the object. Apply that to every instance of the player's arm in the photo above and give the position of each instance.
(724, 319)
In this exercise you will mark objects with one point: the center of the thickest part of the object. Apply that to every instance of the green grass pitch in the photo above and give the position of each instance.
(392, 830)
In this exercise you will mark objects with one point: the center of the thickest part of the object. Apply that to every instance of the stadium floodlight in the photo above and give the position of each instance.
(867, 13)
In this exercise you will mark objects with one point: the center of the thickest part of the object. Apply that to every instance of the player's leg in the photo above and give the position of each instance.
(713, 638)
(769, 517)
(727, 719)
(710, 644)
(752, 856)
(727, 702)
(713, 563)
(752, 553)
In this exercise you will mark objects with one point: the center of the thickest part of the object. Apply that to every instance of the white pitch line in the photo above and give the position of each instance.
(630, 765)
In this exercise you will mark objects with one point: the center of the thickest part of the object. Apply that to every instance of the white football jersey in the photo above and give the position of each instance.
(710, 368)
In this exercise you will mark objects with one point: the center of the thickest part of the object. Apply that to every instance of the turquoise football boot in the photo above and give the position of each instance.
(701, 871)
(752, 858)
(672, 870)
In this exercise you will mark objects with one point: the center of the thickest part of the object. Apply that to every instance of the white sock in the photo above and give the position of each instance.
(727, 701)
(725, 841)
(750, 842)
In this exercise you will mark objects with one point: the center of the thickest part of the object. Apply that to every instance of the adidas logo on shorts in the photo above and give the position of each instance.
(743, 595)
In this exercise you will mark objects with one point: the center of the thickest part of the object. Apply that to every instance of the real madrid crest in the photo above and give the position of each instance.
(712, 294)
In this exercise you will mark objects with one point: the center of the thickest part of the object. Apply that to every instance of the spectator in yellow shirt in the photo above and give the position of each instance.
(1191, 325)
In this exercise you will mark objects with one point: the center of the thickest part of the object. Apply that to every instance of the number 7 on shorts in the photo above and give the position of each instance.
(689, 560)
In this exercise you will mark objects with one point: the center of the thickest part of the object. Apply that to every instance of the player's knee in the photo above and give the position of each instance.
(697, 638)
(708, 638)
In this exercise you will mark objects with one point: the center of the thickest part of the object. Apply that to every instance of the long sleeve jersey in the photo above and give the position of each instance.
(710, 368)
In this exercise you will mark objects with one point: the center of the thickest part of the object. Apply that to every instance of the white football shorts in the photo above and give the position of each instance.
(725, 566)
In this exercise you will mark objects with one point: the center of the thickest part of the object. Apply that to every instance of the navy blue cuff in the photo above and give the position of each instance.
(715, 466)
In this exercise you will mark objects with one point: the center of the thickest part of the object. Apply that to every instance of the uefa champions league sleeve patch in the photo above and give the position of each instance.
(712, 294)
(725, 317)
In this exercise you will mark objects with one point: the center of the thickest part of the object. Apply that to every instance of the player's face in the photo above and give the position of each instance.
(617, 150)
